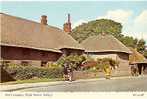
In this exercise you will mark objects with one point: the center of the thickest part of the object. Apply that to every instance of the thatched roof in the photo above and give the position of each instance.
(20, 32)
(136, 57)
(104, 43)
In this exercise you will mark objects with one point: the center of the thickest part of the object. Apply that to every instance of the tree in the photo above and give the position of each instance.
(141, 46)
(95, 27)
(129, 41)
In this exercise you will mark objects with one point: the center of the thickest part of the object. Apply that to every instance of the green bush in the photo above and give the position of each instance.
(29, 72)
(99, 64)
(89, 65)
(53, 65)
(110, 62)
(74, 61)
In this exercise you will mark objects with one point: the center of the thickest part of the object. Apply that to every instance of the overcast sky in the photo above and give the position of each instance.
(132, 15)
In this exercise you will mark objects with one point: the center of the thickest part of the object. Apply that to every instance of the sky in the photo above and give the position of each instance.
(131, 14)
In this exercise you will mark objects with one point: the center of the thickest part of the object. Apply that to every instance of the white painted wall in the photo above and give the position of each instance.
(113, 56)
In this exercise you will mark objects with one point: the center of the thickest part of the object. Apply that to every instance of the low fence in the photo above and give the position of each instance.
(98, 74)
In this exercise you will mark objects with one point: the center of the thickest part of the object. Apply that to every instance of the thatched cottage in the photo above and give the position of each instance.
(138, 60)
(107, 46)
(29, 42)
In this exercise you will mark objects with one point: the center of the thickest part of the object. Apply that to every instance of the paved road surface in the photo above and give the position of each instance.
(118, 85)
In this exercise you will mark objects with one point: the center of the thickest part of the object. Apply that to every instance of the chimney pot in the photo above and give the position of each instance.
(67, 25)
(44, 19)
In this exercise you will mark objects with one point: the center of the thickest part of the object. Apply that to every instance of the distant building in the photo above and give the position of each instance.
(28, 42)
(107, 46)
(67, 25)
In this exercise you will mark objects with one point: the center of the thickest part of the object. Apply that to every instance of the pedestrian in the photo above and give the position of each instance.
(107, 70)
(65, 71)
(134, 70)
(70, 73)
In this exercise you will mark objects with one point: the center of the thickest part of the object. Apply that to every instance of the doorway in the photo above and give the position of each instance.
(140, 68)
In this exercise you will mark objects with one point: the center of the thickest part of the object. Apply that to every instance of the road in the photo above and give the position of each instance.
(103, 85)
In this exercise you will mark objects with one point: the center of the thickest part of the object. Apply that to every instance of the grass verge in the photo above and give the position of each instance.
(32, 81)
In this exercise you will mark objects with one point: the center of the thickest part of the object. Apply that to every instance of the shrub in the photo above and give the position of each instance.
(53, 65)
(109, 62)
(99, 64)
(74, 61)
(89, 64)
(28, 72)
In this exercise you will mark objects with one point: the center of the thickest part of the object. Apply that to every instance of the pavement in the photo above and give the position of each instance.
(58, 84)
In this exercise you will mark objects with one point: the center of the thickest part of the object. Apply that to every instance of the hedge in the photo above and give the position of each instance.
(30, 72)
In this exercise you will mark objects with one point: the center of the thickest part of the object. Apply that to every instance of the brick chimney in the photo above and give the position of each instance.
(44, 19)
(67, 25)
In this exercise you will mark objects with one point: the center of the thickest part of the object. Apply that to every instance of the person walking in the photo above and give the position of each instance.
(107, 70)
(70, 73)
(65, 71)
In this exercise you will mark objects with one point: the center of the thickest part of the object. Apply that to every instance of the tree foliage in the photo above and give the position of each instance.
(129, 41)
(141, 46)
(95, 27)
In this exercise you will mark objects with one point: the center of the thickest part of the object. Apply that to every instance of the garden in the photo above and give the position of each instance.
(81, 65)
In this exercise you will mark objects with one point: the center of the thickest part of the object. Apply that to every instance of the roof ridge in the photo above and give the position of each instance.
(40, 36)
(101, 43)
(120, 43)
(28, 20)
